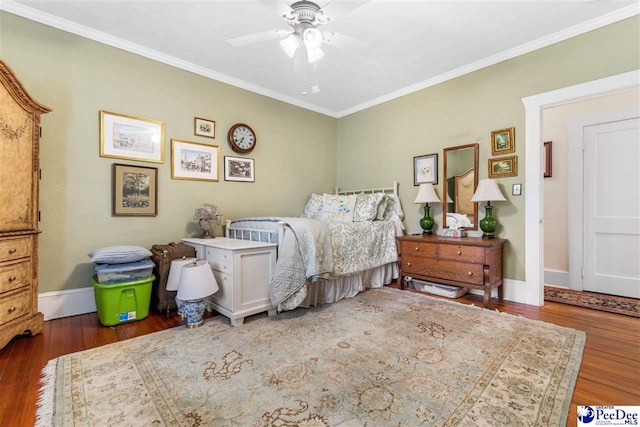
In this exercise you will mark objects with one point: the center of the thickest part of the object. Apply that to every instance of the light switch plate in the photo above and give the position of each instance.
(516, 190)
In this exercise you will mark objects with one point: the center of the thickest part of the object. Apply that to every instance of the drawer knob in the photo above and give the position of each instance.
(11, 310)
(470, 273)
(408, 264)
(459, 252)
(12, 251)
(12, 279)
(417, 248)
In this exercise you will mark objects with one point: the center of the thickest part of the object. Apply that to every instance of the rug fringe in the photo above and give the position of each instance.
(46, 395)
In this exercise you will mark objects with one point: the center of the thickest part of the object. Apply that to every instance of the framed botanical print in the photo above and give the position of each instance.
(425, 169)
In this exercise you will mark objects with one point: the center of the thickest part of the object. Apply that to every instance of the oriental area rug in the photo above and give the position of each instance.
(383, 358)
(595, 301)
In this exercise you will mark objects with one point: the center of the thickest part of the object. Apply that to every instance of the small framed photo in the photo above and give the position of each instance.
(503, 166)
(239, 169)
(425, 169)
(194, 161)
(135, 190)
(204, 127)
(131, 138)
(546, 159)
(503, 141)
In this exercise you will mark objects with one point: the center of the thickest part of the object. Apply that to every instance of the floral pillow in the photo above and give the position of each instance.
(366, 207)
(313, 206)
(338, 208)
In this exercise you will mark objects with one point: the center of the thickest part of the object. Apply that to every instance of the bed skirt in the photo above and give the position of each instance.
(332, 290)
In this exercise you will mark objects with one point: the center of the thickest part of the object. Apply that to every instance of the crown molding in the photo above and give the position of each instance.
(83, 31)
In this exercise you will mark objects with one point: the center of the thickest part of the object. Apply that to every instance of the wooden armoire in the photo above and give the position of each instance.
(19, 214)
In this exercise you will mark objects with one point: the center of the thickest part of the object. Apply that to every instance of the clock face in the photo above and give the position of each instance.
(241, 138)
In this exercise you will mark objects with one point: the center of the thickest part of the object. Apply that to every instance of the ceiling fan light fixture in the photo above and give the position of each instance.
(312, 38)
(290, 44)
(314, 54)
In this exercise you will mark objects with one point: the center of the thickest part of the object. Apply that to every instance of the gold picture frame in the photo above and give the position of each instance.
(503, 167)
(134, 190)
(503, 141)
(204, 127)
(131, 138)
(194, 161)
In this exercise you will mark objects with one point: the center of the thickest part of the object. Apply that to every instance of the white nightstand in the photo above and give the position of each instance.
(243, 270)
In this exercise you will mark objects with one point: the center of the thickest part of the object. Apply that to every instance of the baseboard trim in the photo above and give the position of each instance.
(513, 290)
(54, 305)
(556, 278)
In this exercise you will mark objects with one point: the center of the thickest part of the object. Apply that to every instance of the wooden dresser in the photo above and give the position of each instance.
(19, 175)
(469, 262)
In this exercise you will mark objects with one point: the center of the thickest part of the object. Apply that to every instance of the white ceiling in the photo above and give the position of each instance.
(405, 45)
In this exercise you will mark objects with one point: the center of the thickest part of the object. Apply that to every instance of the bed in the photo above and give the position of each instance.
(342, 244)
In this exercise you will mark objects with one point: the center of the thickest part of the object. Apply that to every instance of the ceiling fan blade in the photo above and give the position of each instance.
(257, 37)
(341, 41)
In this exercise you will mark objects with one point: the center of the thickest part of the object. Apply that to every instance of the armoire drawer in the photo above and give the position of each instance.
(14, 305)
(14, 275)
(15, 248)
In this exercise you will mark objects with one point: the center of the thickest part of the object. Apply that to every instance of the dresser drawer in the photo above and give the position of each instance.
(443, 269)
(220, 260)
(14, 275)
(15, 248)
(14, 305)
(462, 253)
(418, 248)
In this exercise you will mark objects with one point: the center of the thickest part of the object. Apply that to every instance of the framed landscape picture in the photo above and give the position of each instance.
(503, 141)
(204, 127)
(503, 166)
(131, 138)
(134, 190)
(239, 169)
(194, 161)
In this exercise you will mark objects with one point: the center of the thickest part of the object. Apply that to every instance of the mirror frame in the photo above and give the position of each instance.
(476, 149)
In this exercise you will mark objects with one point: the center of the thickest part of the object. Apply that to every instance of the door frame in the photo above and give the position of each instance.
(576, 185)
(534, 196)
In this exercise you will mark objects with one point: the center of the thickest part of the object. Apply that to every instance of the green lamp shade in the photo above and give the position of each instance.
(426, 222)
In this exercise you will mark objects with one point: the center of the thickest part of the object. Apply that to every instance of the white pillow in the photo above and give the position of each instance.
(313, 207)
(338, 208)
(119, 254)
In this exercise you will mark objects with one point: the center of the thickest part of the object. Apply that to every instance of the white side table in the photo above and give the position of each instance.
(243, 270)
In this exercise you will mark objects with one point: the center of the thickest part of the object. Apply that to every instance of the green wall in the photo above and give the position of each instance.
(77, 78)
(383, 140)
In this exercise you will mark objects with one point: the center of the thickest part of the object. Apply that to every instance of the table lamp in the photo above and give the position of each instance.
(173, 281)
(488, 191)
(426, 195)
(196, 283)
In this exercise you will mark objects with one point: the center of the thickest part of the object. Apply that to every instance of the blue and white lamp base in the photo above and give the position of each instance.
(193, 312)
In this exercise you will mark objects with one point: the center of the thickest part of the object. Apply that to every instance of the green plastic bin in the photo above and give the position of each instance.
(122, 302)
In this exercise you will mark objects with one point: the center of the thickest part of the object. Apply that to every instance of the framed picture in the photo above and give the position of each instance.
(135, 190)
(503, 141)
(195, 161)
(131, 138)
(503, 166)
(425, 169)
(239, 169)
(204, 127)
(546, 159)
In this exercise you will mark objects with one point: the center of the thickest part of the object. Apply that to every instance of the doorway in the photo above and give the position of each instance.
(534, 220)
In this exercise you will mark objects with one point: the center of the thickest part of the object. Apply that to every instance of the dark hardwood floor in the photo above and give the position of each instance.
(609, 374)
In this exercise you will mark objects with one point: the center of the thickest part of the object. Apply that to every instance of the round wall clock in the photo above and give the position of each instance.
(242, 138)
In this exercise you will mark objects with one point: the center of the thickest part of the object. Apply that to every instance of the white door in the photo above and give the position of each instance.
(611, 263)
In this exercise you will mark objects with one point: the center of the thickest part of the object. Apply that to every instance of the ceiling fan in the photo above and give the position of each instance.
(304, 36)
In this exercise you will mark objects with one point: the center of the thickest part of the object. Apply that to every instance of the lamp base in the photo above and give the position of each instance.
(426, 232)
(193, 311)
(488, 236)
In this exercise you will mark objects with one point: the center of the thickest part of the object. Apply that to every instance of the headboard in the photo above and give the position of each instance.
(393, 189)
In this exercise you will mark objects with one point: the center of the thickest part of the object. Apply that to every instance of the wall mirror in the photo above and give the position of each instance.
(460, 182)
